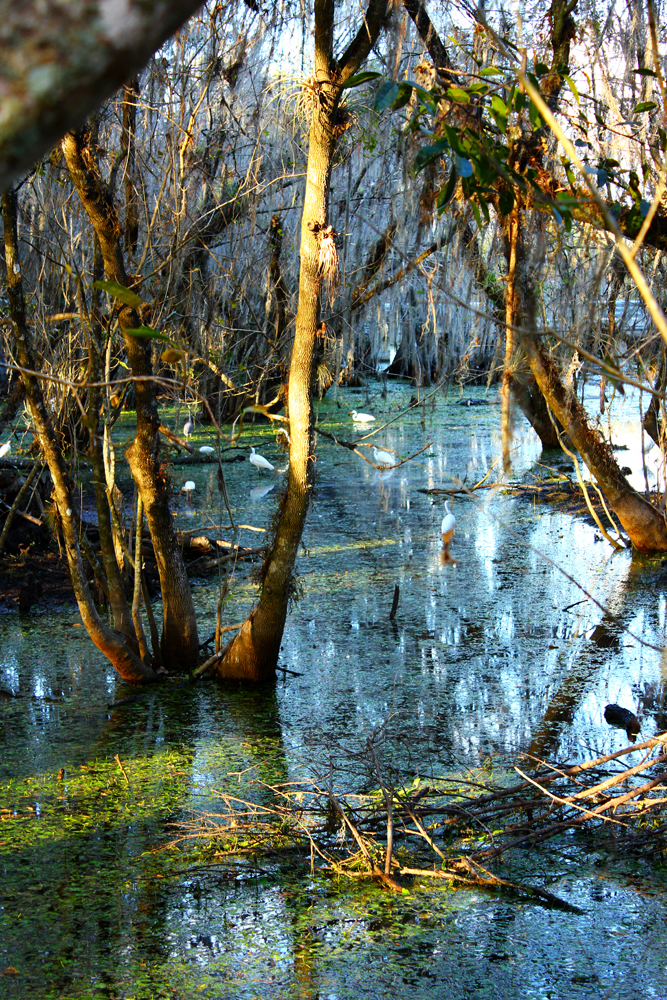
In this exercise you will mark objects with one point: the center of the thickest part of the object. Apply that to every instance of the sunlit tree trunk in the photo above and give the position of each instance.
(253, 653)
(180, 642)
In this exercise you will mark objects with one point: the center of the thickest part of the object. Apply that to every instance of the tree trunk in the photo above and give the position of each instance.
(180, 643)
(645, 525)
(253, 654)
(109, 642)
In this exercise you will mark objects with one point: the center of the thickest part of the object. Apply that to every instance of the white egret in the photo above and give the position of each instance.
(384, 457)
(206, 450)
(187, 487)
(259, 461)
(5, 449)
(447, 531)
(361, 418)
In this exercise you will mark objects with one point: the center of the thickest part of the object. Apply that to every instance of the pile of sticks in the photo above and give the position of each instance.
(447, 829)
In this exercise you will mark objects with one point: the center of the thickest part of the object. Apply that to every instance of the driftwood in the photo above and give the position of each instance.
(396, 831)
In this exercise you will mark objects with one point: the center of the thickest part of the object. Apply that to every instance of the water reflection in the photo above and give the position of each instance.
(498, 653)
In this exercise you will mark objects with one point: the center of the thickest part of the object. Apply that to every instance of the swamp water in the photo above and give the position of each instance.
(494, 655)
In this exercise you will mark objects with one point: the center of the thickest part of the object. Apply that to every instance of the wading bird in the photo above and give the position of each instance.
(259, 461)
(623, 718)
(187, 488)
(5, 449)
(447, 531)
(188, 427)
(384, 457)
(206, 450)
(361, 418)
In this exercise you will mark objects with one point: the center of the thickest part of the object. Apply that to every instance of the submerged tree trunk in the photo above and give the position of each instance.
(113, 644)
(180, 643)
(253, 654)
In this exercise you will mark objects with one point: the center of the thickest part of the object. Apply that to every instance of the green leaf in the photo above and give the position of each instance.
(120, 292)
(147, 332)
(386, 95)
(427, 154)
(403, 96)
(644, 106)
(479, 88)
(500, 120)
(541, 69)
(499, 105)
(570, 82)
(645, 72)
(458, 95)
(453, 139)
(359, 78)
(506, 201)
(478, 217)
(463, 166)
(535, 116)
(519, 100)
(490, 71)
(446, 193)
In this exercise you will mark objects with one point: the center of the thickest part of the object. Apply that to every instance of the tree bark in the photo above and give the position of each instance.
(180, 643)
(59, 61)
(253, 654)
(645, 525)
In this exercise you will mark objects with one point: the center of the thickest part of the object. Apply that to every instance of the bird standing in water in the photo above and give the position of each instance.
(384, 457)
(259, 461)
(361, 418)
(447, 531)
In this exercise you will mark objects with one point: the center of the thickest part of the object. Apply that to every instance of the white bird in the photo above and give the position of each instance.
(188, 487)
(259, 461)
(281, 430)
(206, 450)
(5, 449)
(384, 457)
(188, 427)
(361, 418)
(447, 531)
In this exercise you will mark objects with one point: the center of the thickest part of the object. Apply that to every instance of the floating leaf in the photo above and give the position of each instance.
(386, 95)
(359, 78)
(147, 333)
(120, 292)
(644, 106)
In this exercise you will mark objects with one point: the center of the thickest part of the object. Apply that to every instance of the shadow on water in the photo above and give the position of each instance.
(493, 655)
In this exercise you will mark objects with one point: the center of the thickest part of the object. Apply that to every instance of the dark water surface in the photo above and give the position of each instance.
(486, 658)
